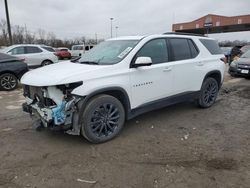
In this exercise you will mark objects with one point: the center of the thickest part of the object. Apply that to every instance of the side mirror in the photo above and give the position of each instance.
(10, 52)
(143, 61)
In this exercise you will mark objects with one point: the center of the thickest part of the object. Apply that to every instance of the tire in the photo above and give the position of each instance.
(46, 62)
(8, 82)
(102, 119)
(209, 92)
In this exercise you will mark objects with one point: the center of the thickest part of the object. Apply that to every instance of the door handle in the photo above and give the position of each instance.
(200, 63)
(167, 69)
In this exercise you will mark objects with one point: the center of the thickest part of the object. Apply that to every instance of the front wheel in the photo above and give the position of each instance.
(102, 119)
(209, 92)
(8, 82)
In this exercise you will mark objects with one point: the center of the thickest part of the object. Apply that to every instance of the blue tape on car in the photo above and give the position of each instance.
(58, 114)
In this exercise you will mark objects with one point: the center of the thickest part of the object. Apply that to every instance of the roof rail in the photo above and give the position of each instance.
(182, 33)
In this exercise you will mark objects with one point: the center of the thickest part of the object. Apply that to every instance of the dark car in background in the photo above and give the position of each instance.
(241, 66)
(11, 70)
(245, 48)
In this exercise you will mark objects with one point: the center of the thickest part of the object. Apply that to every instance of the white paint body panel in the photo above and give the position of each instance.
(156, 81)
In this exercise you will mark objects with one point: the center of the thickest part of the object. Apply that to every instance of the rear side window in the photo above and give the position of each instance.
(193, 48)
(48, 49)
(32, 50)
(212, 46)
(180, 49)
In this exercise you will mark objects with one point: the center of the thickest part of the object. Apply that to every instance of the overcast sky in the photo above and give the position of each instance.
(75, 18)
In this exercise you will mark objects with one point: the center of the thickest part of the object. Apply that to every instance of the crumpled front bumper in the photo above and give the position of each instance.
(58, 115)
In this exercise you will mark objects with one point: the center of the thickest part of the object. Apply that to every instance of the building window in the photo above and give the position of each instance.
(197, 26)
(217, 23)
(239, 21)
(181, 27)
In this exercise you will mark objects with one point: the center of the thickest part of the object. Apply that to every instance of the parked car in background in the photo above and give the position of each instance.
(63, 53)
(245, 48)
(79, 50)
(33, 55)
(122, 78)
(241, 66)
(11, 70)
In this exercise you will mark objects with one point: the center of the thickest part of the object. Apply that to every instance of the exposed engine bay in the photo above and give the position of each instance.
(53, 107)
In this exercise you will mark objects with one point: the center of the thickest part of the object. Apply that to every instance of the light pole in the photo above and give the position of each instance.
(8, 21)
(116, 31)
(111, 29)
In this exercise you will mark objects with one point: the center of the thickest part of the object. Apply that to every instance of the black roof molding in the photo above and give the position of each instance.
(182, 33)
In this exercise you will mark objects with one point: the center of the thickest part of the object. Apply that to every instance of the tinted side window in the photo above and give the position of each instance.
(212, 46)
(194, 50)
(48, 49)
(180, 49)
(156, 49)
(32, 49)
(17, 50)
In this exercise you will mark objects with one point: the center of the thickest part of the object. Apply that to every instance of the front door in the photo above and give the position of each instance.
(150, 83)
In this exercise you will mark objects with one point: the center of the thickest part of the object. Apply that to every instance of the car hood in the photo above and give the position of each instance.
(243, 61)
(61, 73)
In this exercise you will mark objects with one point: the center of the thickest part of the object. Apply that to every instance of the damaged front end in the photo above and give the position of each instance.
(53, 107)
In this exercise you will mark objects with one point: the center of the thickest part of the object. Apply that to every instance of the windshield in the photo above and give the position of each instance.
(246, 54)
(109, 52)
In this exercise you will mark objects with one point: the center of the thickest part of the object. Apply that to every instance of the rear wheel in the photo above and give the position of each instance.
(46, 62)
(8, 82)
(209, 92)
(102, 119)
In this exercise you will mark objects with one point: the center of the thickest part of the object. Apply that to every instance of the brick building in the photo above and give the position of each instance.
(212, 23)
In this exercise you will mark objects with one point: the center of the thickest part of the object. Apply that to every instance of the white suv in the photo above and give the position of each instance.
(120, 79)
(34, 55)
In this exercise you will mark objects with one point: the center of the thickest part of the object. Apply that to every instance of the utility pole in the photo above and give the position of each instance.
(111, 29)
(116, 29)
(96, 38)
(8, 21)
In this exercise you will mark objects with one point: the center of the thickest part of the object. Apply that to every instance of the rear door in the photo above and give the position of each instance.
(187, 67)
(33, 56)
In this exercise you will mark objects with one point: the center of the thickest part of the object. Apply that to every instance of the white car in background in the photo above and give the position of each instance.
(79, 50)
(33, 55)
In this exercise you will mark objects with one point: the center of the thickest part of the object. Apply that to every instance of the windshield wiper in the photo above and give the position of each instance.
(89, 62)
(75, 59)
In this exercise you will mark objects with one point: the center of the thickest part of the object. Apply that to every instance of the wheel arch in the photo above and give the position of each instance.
(10, 72)
(116, 92)
(216, 74)
(47, 60)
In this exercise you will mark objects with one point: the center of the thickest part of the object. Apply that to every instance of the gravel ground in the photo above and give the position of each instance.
(179, 146)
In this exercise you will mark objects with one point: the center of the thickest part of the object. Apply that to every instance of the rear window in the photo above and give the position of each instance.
(48, 48)
(77, 48)
(212, 46)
